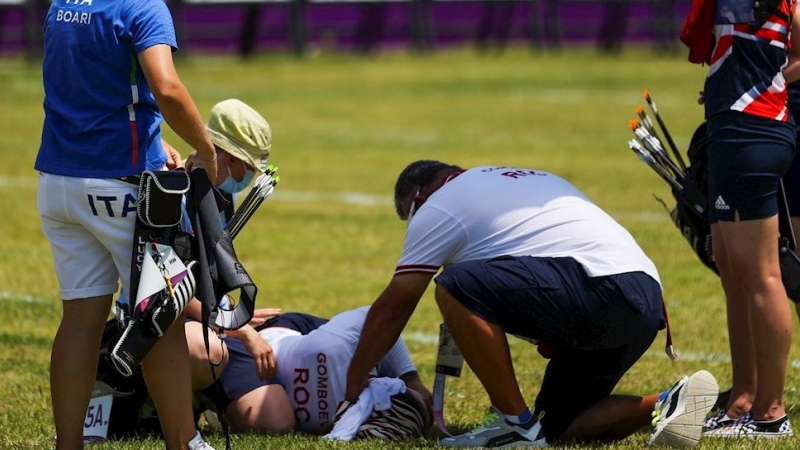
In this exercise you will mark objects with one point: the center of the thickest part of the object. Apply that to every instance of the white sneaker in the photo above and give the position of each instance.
(680, 412)
(497, 432)
(197, 443)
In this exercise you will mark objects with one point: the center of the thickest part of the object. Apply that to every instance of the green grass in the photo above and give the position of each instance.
(344, 124)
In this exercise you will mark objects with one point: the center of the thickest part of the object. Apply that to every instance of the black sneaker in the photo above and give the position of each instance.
(756, 429)
(721, 420)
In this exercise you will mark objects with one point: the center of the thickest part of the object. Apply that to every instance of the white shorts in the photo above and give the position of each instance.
(89, 223)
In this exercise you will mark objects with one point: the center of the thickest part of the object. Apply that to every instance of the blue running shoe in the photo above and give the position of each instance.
(680, 412)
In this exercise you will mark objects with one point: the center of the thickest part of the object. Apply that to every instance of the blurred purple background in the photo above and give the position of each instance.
(249, 28)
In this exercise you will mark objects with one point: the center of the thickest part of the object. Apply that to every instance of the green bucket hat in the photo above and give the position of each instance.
(241, 131)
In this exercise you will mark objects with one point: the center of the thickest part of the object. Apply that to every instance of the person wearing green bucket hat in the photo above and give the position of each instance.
(243, 140)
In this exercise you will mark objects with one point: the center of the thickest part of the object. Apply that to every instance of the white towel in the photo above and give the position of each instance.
(375, 397)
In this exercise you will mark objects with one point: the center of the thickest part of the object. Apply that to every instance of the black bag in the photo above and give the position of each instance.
(131, 414)
(222, 272)
(790, 271)
(690, 214)
(691, 217)
(143, 331)
(159, 210)
(161, 197)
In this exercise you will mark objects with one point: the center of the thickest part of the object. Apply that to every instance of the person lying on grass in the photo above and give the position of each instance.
(306, 390)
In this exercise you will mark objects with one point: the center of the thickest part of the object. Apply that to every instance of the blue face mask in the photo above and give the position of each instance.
(231, 186)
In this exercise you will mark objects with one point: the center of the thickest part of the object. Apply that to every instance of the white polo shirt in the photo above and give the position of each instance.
(487, 212)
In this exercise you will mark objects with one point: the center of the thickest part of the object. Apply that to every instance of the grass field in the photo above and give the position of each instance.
(344, 127)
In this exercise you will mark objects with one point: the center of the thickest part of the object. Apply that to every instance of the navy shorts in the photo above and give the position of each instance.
(300, 322)
(747, 156)
(791, 185)
(239, 376)
(598, 326)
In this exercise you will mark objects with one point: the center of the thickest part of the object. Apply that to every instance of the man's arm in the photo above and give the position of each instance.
(396, 361)
(385, 321)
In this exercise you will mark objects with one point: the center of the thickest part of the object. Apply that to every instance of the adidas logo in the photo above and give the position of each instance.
(720, 204)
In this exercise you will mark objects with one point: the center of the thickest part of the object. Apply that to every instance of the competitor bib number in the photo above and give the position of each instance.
(95, 426)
